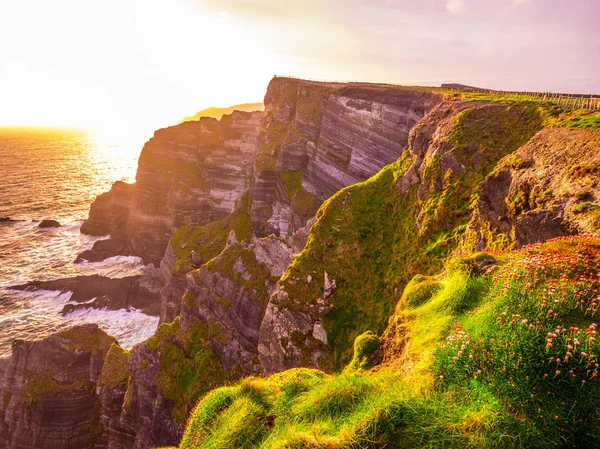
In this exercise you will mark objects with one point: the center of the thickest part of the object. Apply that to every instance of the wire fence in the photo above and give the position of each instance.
(568, 101)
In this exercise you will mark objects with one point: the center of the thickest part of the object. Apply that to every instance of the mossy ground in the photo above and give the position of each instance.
(255, 276)
(40, 384)
(84, 338)
(189, 368)
(502, 354)
(303, 203)
(115, 371)
(367, 238)
(195, 246)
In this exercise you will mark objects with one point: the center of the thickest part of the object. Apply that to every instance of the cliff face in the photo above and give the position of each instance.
(315, 138)
(250, 281)
(48, 391)
(312, 140)
(475, 176)
(318, 138)
(548, 188)
(189, 174)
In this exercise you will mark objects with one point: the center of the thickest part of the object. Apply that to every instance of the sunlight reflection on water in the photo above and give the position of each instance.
(56, 174)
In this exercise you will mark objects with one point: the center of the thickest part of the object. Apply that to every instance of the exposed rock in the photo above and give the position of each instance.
(319, 332)
(97, 291)
(548, 188)
(189, 174)
(231, 293)
(49, 390)
(109, 212)
(102, 250)
(231, 239)
(328, 286)
(49, 224)
(284, 335)
(146, 418)
(330, 135)
(111, 390)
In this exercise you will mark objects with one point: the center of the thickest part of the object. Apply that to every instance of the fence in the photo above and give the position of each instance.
(571, 101)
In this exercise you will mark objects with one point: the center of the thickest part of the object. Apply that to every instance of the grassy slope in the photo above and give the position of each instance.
(362, 237)
(481, 334)
(206, 242)
(366, 237)
(189, 368)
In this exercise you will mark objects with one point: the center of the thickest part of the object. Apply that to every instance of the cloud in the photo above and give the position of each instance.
(455, 6)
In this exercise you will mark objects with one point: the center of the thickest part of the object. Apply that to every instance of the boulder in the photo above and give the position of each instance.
(49, 224)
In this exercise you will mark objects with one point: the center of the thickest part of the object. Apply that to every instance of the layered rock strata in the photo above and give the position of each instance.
(319, 138)
(548, 188)
(189, 174)
(48, 391)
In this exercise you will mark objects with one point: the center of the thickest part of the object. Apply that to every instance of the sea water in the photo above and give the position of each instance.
(56, 174)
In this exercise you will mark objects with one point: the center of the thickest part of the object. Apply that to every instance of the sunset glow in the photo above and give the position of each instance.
(122, 67)
(127, 67)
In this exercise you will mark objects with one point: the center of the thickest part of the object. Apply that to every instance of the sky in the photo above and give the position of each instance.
(131, 66)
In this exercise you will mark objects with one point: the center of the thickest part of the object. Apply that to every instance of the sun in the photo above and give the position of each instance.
(124, 68)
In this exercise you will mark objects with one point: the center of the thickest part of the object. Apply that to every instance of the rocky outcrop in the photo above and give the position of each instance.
(146, 417)
(140, 292)
(48, 391)
(49, 224)
(189, 174)
(109, 212)
(321, 137)
(231, 293)
(546, 189)
(419, 206)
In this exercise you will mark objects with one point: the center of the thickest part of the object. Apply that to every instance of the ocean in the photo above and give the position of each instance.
(56, 174)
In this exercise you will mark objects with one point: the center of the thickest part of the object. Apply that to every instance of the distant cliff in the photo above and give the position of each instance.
(218, 113)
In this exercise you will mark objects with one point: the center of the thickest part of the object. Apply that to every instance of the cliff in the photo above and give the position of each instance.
(48, 389)
(218, 113)
(338, 231)
(189, 174)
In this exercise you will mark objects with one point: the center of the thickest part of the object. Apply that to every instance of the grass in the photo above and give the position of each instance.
(43, 383)
(84, 338)
(189, 368)
(367, 238)
(115, 371)
(195, 246)
(532, 343)
(485, 364)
